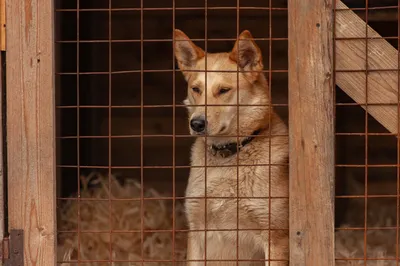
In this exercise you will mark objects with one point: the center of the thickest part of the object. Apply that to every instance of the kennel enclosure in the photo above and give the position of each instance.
(95, 140)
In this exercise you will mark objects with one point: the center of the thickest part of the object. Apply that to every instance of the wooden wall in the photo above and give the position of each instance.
(30, 99)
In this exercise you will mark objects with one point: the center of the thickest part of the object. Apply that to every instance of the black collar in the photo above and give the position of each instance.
(229, 149)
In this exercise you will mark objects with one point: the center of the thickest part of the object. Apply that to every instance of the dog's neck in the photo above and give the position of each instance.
(231, 148)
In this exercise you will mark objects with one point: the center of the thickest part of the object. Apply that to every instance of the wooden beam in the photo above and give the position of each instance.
(30, 127)
(311, 136)
(351, 55)
(2, 196)
(2, 25)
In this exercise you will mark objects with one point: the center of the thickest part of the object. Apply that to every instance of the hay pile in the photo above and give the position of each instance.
(158, 214)
(381, 244)
(125, 215)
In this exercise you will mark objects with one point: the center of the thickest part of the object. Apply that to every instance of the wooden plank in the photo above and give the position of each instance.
(311, 136)
(2, 196)
(30, 127)
(2, 25)
(351, 55)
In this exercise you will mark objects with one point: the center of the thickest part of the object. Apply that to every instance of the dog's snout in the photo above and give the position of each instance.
(198, 124)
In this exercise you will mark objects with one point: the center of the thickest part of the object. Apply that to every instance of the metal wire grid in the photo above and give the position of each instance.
(372, 134)
(109, 167)
(175, 136)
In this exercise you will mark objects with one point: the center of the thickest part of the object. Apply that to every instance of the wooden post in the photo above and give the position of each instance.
(2, 25)
(311, 120)
(31, 127)
(2, 196)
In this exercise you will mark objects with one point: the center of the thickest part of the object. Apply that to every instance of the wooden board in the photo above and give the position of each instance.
(2, 196)
(351, 55)
(30, 127)
(311, 133)
(2, 25)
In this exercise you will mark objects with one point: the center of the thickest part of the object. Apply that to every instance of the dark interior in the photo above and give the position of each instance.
(110, 75)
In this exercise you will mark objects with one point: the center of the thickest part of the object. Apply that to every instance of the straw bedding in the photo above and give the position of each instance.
(381, 244)
(125, 215)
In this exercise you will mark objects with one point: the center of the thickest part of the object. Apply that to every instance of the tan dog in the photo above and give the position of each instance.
(263, 176)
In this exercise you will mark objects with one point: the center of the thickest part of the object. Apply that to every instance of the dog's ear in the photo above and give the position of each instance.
(186, 52)
(247, 55)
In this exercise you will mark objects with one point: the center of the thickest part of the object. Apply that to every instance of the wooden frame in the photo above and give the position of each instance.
(2, 185)
(31, 121)
(2, 25)
(31, 127)
(311, 133)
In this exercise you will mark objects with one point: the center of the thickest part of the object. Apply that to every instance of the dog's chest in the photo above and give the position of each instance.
(227, 190)
(228, 181)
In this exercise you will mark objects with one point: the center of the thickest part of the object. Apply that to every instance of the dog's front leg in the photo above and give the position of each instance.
(278, 250)
(266, 254)
(195, 249)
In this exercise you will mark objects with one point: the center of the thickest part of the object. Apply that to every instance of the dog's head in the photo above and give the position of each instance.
(219, 88)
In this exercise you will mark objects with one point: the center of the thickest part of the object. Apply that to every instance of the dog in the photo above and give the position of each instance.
(234, 212)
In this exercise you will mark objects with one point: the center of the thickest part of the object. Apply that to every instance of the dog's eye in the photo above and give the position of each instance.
(196, 90)
(224, 90)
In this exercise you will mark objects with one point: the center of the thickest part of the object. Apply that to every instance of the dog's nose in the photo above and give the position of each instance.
(198, 124)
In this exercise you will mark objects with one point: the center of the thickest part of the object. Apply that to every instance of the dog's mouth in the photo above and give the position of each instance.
(208, 132)
(222, 129)
(202, 133)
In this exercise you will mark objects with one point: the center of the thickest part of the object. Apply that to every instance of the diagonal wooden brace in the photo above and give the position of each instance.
(382, 87)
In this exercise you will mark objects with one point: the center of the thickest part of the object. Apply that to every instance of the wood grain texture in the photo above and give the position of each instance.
(30, 127)
(2, 196)
(382, 86)
(2, 25)
(311, 133)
